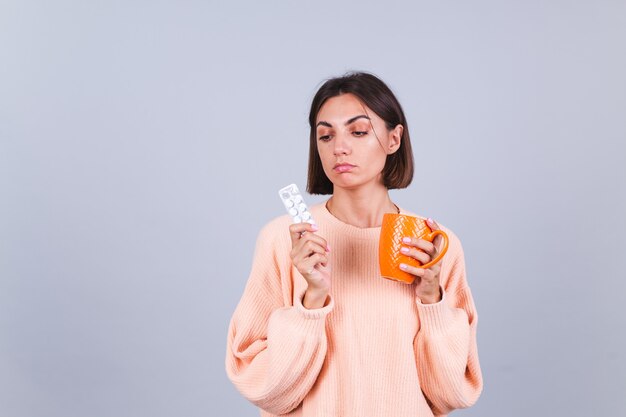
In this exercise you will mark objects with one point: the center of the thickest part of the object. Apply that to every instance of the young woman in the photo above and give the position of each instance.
(318, 332)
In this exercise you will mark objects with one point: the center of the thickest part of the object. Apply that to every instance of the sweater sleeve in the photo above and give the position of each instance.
(275, 346)
(445, 346)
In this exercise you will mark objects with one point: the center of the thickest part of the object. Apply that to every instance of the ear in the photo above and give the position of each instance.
(395, 139)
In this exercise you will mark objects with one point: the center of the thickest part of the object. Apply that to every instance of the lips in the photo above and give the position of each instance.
(343, 167)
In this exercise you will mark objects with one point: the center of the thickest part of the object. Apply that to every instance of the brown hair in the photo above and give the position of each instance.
(398, 170)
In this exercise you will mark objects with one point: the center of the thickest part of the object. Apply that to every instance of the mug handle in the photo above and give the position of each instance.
(443, 250)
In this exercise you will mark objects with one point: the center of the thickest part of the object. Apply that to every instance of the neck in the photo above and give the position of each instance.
(361, 207)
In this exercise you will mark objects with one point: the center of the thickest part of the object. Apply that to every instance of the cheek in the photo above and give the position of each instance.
(325, 155)
(375, 152)
(379, 165)
(323, 151)
(377, 159)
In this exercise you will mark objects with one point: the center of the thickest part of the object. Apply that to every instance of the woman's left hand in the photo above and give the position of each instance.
(427, 287)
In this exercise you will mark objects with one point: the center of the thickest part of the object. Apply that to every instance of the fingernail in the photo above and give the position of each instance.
(430, 220)
(406, 240)
(314, 227)
(402, 266)
(327, 248)
(404, 250)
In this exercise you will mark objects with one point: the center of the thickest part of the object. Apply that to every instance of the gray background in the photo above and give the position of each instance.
(142, 144)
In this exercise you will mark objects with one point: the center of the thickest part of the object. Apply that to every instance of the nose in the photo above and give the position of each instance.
(342, 144)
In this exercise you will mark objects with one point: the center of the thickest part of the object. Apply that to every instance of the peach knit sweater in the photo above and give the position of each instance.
(373, 350)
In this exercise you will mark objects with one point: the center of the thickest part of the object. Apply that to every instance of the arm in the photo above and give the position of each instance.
(445, 346)
(275, 347)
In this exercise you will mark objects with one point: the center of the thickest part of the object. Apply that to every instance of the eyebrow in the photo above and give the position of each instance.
(352, 120)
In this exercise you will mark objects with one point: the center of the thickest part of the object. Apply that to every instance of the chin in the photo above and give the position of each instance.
(349, 184)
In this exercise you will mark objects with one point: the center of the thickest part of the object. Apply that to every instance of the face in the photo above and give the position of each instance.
(353, 142)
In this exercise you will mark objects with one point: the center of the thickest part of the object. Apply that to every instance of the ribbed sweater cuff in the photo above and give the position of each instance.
(314, 313)
(435, 318)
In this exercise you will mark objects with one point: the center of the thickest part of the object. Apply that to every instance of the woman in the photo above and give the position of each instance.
(318, 332)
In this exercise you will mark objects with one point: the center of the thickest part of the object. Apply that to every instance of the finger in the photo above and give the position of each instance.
(298, 238)
(427, 276)
(438, 242)
(296, 230)
(309, 247)
(311, 262)
(419, 272)
(422, 244)
(432, 224)
(416, 254)
(313, 237)
(304, 250)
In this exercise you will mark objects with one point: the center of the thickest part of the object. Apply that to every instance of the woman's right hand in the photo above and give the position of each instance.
(309, 254)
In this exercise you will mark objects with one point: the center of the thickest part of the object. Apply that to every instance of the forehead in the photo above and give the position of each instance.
(341, 108)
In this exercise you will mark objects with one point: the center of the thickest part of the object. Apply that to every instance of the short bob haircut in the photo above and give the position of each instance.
(371, 91)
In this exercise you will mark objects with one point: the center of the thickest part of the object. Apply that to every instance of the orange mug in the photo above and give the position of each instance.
(394, 228)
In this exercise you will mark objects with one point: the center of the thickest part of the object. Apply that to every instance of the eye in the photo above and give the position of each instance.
(359, 133)
(324, 138)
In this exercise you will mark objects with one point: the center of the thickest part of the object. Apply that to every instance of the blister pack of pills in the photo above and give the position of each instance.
(295, 205)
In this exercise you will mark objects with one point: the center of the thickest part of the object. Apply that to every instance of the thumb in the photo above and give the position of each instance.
(438, 241)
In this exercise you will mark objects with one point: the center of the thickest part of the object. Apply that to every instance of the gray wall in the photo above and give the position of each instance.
(142, 144)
